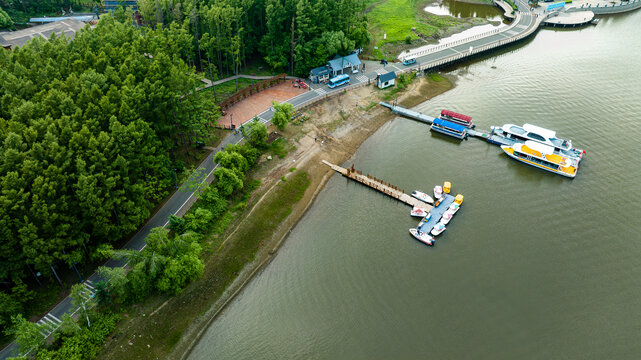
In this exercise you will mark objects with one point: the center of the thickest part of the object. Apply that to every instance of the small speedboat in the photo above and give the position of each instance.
(446, 217)
(427, 217)
(438, 229)
(422, 196)
(438, 192)
(419, 212)
(454, 207)
(422, 237)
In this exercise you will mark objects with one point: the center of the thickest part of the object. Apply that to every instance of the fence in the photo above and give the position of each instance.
(613, 9)
(467, 39)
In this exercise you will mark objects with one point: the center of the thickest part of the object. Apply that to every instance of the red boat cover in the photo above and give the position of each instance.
(457, 116)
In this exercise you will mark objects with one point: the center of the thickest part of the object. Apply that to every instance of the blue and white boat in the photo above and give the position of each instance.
(449, 128)
(438, 229)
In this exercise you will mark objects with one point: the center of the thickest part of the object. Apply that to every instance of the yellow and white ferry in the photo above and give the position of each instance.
(543, 157)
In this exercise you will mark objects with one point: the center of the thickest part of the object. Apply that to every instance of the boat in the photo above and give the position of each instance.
(457, 118)
(446, 217)
(458, 199)
(422, 237)
(543, 157)
(438, 191)
(418, 212)
(449, 128)
(540, 135)
(427, 217)
(422, 196)
(454, 208)
(438, 229)
(447, 186)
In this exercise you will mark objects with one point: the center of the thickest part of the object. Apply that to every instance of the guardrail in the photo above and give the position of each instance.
(517, 18)
(614, 9)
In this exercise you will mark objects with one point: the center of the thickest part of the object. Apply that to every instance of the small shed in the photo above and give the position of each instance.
(386, 80)
(319, 74)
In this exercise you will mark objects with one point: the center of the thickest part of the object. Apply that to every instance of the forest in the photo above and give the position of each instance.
(89, 128)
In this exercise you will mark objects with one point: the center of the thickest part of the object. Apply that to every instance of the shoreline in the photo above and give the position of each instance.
(311, 163)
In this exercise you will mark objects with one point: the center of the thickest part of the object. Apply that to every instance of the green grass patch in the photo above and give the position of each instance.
(292, 169)
(279, 147)
(435, 77)
(404, 23)
(369, 106)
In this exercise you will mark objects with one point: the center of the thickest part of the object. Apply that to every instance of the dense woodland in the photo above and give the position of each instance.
(89, 127)
(290, 35)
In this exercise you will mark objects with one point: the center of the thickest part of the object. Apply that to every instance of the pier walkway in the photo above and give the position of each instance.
(380, 185)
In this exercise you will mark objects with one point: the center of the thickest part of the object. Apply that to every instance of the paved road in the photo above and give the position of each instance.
(181, 201)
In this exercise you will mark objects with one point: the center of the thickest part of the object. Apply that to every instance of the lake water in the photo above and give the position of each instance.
(461, 9)
(533, 266)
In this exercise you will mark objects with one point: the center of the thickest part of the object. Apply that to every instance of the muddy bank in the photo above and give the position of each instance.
(335, 130)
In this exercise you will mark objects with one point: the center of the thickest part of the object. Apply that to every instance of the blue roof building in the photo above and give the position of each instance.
(345, 65)
(319, 74)
(386, 80)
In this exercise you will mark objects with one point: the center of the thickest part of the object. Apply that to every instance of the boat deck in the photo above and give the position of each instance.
(437, 212)
(492, 138)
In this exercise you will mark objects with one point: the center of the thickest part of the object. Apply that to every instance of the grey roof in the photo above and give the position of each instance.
(18, 38)
(387, 77)
(319, 71)
(342, 62)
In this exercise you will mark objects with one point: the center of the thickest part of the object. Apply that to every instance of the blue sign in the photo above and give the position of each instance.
(556, 5)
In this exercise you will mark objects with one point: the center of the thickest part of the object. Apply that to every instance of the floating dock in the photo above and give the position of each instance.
(380, 185)
(414, 115)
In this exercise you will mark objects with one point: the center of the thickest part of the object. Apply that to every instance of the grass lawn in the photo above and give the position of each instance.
(228, 88)
(400, 19)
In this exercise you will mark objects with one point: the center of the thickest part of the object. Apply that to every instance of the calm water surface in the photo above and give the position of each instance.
(462, 10)
(534, 266)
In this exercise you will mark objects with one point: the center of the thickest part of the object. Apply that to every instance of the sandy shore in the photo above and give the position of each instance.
(341, 124)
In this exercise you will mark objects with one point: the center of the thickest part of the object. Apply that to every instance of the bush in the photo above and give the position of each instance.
(408, 39)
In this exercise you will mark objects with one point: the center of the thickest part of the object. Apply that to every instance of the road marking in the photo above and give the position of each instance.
(321, 91)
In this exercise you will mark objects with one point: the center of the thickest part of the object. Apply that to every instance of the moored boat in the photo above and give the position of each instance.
(446, 217)
(418, 212)
(422, 196)
(438, 229)
(454, 207)
(543, 157)
(449, 128)
(422, 237)
(438, 191)
(540, 135)
(457, 118)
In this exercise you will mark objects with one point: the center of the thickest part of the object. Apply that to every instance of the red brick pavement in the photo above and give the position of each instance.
(246, 109)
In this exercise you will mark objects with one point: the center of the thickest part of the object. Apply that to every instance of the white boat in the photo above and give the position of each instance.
(419, 212)
(422, 196)
(438, 229)
(438, 191)
(422, 237)
(446, 217)
(538, 134)
(454, 208)
(427, 217)
(543, 157)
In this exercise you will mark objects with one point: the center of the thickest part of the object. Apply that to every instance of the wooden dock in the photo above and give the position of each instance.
(380, 185)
